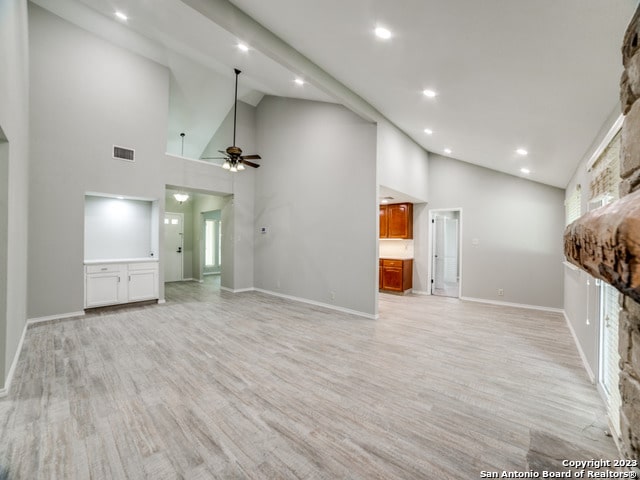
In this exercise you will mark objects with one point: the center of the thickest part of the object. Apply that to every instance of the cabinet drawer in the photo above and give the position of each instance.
(103, 268)
(143, 266)
(392, 263)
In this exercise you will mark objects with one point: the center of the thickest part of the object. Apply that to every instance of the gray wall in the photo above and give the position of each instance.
(518, 225)
(77, 104)
(402, 164)
(245, 133)
(580, 291)
(316, 196)
(14, 122)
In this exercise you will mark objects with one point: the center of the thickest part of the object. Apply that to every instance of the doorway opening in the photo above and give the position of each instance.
(445, 253)
(196, 245)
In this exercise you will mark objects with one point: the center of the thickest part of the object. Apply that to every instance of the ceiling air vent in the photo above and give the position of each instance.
(122, 153)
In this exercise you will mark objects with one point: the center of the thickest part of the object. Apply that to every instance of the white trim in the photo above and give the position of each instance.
(516, 305)
(7, 383)
(430, 249)
(33, 321)
(570, 266)
(237, 290)
(192, 159)
(420, 292)
(583, 357)
(189, 280)
(318, 304)
(615, 128)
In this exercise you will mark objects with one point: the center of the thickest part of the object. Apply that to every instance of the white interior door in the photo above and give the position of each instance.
(445, 252)
(438, 253)
(173, 246)
(451, 251)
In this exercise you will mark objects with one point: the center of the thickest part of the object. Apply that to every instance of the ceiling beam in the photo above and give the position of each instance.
(236, 22)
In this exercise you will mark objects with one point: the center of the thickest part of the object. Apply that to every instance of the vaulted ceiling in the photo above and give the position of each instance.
(541, 76)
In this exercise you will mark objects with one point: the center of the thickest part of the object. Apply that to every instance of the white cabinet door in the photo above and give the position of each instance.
(114, 283)
(143, 285)
(103, 289)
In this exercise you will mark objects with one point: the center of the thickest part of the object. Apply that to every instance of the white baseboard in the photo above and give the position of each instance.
(237, 290)
(583, 357)
(60, 316)
(517, 305)
(318, 304)
(420, 292)
(161, 301)
(7, 383)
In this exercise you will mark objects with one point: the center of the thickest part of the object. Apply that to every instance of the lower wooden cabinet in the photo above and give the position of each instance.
(396, 275)
(115, 283)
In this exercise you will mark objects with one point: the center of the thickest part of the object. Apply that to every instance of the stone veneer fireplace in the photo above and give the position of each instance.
(606, 243)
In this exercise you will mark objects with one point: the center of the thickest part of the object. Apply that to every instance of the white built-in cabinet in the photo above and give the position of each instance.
(113, 283)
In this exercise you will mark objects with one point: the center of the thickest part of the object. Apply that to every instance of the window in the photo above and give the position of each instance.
(212, 242)
(605, 173)
(573, 205)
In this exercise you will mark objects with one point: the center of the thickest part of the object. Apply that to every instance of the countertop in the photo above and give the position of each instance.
(121, 260)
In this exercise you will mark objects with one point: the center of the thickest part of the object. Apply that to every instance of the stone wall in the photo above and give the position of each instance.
(629, 329)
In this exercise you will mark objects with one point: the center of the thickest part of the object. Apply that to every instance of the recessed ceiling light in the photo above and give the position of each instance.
(526, 171)
(428, 131)
(447, 151)
(429, 93)
(383, 33)
(521, 151)
(243, 47)
(121, 16)
(299, 81)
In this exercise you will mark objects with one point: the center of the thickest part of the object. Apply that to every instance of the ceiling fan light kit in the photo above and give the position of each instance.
(234, 161)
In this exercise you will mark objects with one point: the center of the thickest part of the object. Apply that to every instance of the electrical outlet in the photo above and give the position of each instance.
(277, 283)
(501, 292)
(333, 295)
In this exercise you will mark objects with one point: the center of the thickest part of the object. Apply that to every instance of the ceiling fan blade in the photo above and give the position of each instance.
(251, 157)
(251, 164)
(213, 158)
(223, 152)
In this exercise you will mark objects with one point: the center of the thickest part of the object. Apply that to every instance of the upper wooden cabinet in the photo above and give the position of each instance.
(396, 221)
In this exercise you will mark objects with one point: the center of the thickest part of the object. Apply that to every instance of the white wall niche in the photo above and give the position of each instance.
(119, 227)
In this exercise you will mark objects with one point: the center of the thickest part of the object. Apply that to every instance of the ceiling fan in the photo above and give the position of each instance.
(233, 158)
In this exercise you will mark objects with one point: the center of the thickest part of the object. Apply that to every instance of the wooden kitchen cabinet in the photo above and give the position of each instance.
(396, 275)
(396, 221)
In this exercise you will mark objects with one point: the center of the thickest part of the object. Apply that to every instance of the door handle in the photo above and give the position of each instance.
(179, 250)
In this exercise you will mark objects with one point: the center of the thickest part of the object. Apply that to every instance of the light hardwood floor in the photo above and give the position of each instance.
(220, 385)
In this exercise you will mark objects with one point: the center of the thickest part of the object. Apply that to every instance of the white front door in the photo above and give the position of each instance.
(173, 245)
